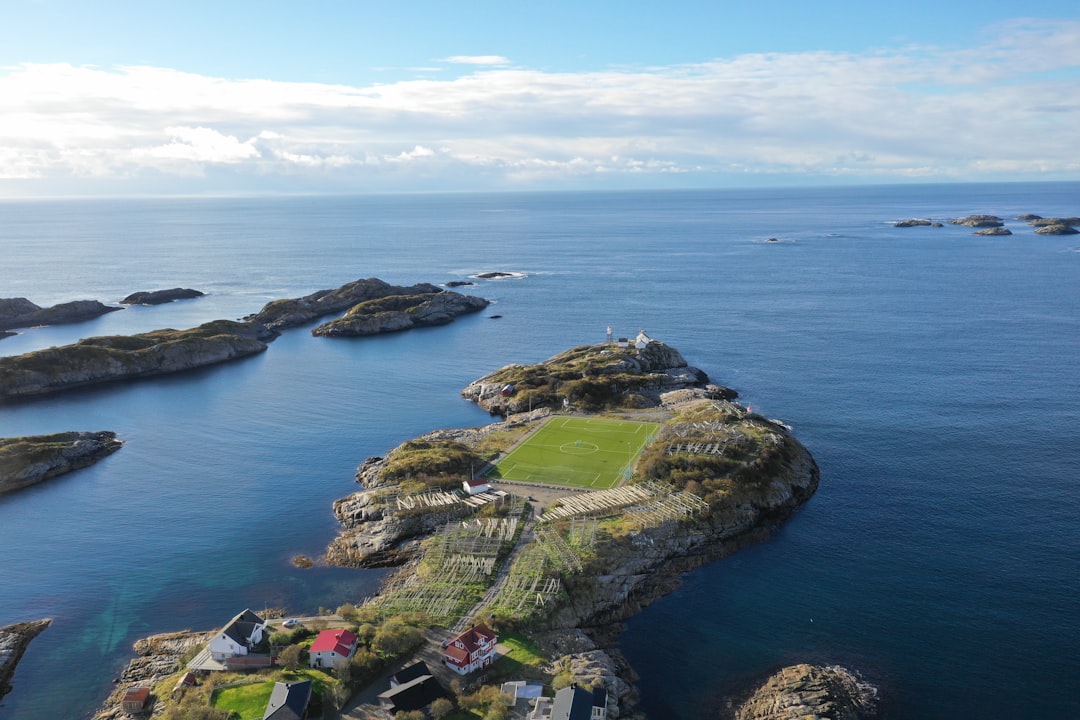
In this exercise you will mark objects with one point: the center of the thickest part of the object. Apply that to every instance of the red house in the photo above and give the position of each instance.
(333, 648)
(471, 650)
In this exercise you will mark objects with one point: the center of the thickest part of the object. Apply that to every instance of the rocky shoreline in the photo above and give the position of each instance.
(14, 639)
(28, 460)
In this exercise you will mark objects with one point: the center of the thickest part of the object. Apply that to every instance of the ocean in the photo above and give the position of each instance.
(933, 374)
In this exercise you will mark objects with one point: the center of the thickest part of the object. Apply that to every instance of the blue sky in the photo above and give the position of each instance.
(107, 98)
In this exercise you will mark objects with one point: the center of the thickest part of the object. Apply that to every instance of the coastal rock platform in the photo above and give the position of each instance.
(14, 639)
(810, 692)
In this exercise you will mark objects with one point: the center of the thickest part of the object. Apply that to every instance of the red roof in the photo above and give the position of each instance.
(476, 482)
(472, 640)
(339, 641)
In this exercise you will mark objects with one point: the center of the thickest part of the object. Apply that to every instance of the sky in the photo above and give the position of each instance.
(118, 98)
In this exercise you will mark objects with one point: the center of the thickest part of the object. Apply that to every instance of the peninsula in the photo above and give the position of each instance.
(31, 459)
(21, 313)
(14, 640)
(110, 358)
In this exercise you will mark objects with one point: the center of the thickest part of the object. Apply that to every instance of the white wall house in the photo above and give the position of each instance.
(243, 632)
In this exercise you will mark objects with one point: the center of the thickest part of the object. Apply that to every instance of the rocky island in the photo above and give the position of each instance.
(21, 313)
(159, 297)
(401, 312)
(121, 357)
(31, 459)
(810, 692)
(556, 567)
(109, 358)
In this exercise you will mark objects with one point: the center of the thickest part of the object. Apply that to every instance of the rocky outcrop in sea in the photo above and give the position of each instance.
(401, 312)
(978, 221)
(21, 313)
(14, 639)
(810, 692)
(282, 314)
(28, 460)
(158, 297)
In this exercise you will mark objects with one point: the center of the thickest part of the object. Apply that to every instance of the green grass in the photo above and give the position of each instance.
(577, 452)
(249, 701)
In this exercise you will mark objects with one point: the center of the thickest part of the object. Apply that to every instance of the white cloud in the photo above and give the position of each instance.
(1005, 108)
(477, 60)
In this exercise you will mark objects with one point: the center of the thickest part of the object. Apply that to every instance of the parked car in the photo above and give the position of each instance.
(290, 623)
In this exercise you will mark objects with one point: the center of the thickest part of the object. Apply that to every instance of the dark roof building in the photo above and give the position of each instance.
(574, 703)
(415, 694)
(409, 672)
(289, 701)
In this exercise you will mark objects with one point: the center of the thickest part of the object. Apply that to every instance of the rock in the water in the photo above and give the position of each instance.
(1028, 217)
(913, 222)
(458, 283)
(28, 460)
(810, 692)
(1044, 221)
(993, 231)
(13, 642)
(1056, 229)
(157, 297)
(401, 312)
(978, 221)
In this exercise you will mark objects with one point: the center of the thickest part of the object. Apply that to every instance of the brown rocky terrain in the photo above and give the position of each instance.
(810, 692)
(28, 460)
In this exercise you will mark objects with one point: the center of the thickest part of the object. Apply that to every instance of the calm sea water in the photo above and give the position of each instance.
(933, 374)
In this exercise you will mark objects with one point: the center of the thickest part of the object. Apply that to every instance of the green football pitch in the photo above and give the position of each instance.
(577, 452)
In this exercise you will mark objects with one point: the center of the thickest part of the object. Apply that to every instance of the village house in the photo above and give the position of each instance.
(471, 650)
(239, 637)
(288, 701)
(572, 703)
(414, 694)
(333, 648)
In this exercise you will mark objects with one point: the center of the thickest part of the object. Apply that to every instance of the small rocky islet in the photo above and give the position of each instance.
(14, 639)
(991, 225)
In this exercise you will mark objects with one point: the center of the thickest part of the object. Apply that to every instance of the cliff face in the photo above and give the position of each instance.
(631, 571)
(102, 359)
(28, 460)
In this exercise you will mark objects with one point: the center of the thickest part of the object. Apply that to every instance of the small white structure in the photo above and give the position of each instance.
(236, 639)
(642, 340)
(475, 486)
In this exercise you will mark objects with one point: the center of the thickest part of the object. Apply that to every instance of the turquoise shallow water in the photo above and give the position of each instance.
(931, 373)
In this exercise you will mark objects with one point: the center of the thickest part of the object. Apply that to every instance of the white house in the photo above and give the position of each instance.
(475, 486)
(243, 633)
(471, 650)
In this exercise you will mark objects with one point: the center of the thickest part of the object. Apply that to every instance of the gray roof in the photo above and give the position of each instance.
(288, 701)
(241, 627)
(573, 703)
(415, 694)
